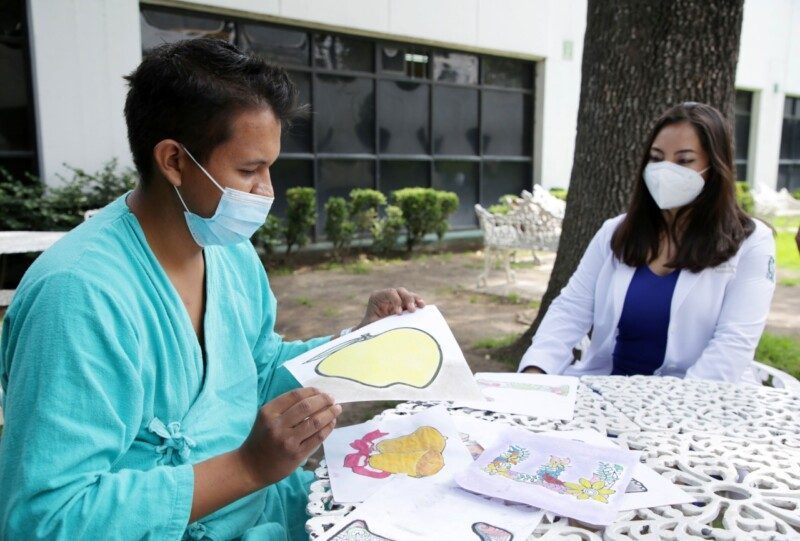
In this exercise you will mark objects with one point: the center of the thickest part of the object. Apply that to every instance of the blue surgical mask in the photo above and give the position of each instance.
(238, 216)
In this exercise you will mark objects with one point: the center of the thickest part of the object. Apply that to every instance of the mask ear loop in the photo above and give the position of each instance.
(203, 169)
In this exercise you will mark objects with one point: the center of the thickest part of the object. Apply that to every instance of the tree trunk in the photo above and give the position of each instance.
(639, 58)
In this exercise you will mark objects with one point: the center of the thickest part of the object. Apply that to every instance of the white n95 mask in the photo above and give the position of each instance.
(673, 185)
(238, 216)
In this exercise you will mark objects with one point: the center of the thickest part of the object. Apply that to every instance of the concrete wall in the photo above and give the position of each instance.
(82, 48)
(769, 65)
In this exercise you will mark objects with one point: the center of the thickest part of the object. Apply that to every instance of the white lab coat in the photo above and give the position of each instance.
(716, 318)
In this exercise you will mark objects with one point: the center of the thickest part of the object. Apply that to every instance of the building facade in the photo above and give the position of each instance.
(475, 96)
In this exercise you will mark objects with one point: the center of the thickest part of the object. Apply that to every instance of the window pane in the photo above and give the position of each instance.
(507, 120)
(455, 120)
(277, 45)
(297, 138)
(741, 170)
(461, 178)
(403, 117)
(15, 114)
(11, 20)
(343, 53)
(288, 173)
(17, 167)
(167, 27)
(337, 178)
(742, 136)
(501, 178)
(743, 104)
(405, 60)
(789, 176)
(345, 114)
(455, 68)
(507, 72)
(396, 175)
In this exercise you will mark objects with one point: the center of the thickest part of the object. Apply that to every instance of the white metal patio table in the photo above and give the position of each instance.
(736, 448)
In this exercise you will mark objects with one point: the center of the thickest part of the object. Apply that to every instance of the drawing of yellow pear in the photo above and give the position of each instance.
(420, 463)
(399, 356)
(422, 439)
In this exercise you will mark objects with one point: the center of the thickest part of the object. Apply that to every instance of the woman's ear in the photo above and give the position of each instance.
(170, 160)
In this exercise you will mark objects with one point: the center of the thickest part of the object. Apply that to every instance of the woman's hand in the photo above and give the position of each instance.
(389, 302)
(533, 370)
(286, 431)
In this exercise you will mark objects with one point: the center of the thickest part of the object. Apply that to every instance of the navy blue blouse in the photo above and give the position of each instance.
(644, 322)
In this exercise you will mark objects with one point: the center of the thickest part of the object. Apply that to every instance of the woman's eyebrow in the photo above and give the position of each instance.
(255, 162)
(656, 149)
(685, 150)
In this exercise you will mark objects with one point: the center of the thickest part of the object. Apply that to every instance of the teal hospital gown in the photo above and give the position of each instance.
(109, 402)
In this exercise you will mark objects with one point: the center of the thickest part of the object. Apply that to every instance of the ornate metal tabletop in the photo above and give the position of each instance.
(736, 448)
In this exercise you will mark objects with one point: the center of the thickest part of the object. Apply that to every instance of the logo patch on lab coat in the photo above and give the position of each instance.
(771, 269)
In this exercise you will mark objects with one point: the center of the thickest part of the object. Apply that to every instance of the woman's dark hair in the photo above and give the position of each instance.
(713, 226)
(191, 90)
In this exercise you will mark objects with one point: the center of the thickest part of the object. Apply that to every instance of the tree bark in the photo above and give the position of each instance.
(639, 58)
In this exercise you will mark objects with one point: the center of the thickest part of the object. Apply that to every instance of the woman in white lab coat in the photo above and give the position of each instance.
(681, 284)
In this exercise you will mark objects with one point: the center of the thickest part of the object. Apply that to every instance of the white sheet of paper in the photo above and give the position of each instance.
(571, 478)
(363, 458)
(412, 356)
(646, 489)
(534, 395)
(402, 510)
(478, 434)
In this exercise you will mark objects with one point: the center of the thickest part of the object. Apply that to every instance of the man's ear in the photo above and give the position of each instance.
(170, 159)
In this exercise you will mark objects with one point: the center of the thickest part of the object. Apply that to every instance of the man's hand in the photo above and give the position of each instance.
(389, 302)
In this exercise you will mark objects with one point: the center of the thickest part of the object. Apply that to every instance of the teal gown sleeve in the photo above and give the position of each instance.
(70, 363)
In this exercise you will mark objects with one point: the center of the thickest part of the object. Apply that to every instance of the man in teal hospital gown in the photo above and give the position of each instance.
(145, 396)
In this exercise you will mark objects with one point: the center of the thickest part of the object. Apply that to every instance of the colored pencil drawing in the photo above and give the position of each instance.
(560, 390)
(401, 356)
(635, 486)
(597, 488)
(418, 454)
(488, 532)
(357, 531)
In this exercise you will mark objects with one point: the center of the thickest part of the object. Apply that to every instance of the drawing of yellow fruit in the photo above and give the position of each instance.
(422, 439)
(399, 356)
(420, 463)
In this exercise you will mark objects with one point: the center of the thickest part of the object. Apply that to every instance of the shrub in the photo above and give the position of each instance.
(424, 211)
(744, 197)
(448, 204)
(796, 194)
(561, 193)
(364, 205)
(301, 215)
(338, 226)
(27, 204)
(386, 230)
(268, 235)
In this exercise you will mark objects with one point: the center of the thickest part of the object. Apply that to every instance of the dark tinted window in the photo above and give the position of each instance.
(15, 113)
(397, 174)
(297, 137)
(160, 27)
(288, 173)
(507, 72)
(275, 44)
(405, 60)
(403, 113)
(507, 120)
(455, 120)
(456, 68)
(344, 109)
(342, 53)
(338, 177)
(461, 178)
(501, 178)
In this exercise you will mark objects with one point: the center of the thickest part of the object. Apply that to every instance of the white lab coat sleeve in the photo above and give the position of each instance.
(743, 314)
(571, 314)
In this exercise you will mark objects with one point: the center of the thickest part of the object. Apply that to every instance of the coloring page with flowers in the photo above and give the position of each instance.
(570, 478)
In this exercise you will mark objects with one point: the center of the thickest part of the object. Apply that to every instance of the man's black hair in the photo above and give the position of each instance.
(190, 91)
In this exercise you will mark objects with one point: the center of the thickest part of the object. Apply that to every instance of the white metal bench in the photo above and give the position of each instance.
(528, 226)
